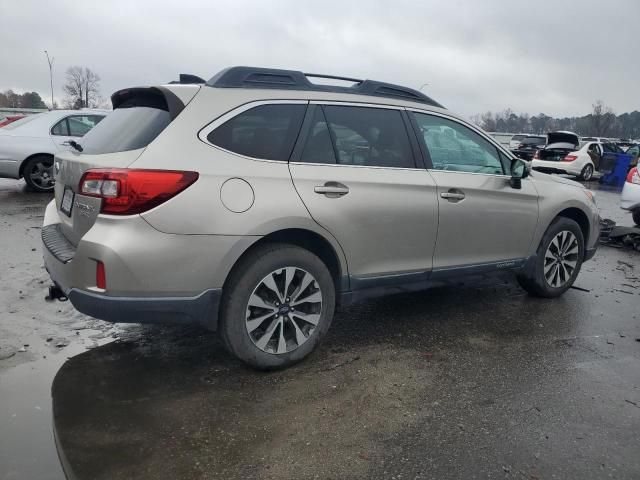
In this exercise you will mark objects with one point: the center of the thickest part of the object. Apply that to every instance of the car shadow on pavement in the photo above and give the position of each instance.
(171, 403)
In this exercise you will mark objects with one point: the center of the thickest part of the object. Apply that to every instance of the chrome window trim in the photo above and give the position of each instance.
(338, 103)
(357, 166)
(207, 129)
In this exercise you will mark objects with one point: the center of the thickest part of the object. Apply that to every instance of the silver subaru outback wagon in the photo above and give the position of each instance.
(258, 201)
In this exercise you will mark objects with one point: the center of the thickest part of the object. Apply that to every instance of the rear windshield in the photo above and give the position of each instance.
(125, 129)
(534, 140)
(517, 137)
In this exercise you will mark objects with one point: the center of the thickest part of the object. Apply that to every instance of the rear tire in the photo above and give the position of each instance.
(277, 306)
(557, 262)
(38, 173)
(636, 217)
(587, 172)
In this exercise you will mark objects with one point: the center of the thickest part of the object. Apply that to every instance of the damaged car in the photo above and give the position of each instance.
(563, 154)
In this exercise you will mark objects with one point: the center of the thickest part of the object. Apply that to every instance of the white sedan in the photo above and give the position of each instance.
(630, 199)
(27, 146)
(563, 154)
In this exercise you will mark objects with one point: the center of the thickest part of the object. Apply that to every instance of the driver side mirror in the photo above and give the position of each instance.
(519, 170)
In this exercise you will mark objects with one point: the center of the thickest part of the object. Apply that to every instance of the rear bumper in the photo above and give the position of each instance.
(630, 197)
(544, 166)
(201, 309)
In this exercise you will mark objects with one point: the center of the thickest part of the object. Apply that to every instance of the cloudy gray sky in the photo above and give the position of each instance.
(555, 57)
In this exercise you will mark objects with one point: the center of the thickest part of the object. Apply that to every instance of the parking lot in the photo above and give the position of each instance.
(474, 381)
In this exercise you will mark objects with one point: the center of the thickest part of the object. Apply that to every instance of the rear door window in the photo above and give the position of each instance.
(362, 136)
(61, 128)
(267, 132)
(79, 125)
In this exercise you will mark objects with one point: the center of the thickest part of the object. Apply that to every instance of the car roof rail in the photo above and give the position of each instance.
(272, 78)
(188, 79)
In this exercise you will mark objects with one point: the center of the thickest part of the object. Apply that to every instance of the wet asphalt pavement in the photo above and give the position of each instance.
(474, 381)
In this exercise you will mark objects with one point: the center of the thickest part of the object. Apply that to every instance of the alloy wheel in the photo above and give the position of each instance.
(587, 173)
(42, 175)
(561, 259)
(283, 310)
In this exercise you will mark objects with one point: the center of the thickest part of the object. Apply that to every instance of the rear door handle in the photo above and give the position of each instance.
(453, 195)
(332, 189)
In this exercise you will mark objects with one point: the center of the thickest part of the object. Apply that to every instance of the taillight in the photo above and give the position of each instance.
(634, 176)
(129, 191)
(569, 158)
(536, 156)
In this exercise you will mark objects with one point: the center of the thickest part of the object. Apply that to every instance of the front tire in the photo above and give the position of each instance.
(587, 172)
(38, 173)
(557, 262)
(277, 306)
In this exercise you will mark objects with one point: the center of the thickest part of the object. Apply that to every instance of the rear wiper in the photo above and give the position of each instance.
(75, 145)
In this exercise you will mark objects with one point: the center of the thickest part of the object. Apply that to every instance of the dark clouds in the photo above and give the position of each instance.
(553, 57)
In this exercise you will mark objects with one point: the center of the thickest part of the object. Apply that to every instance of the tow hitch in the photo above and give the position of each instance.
(55, 293)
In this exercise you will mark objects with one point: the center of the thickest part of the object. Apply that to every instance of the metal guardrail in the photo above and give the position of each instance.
(24, 111)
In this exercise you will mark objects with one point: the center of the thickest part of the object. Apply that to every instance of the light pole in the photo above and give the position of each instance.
(50, 61)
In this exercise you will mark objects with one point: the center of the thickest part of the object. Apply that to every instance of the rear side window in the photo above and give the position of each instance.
(267, 131)
(126, 128)
(360, 136)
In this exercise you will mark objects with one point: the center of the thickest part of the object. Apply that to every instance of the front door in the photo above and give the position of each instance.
(483, 220)
(356, 173)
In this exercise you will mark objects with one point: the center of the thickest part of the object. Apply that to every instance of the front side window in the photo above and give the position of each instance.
(455, 147)
(362, 136)
(266, 132)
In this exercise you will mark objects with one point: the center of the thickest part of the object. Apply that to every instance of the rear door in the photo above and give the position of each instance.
(483, 221)
(355, 170)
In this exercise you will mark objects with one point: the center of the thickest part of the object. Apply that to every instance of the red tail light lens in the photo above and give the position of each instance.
(101, 277)
(569, 158)
(634, 176)
(129, 191)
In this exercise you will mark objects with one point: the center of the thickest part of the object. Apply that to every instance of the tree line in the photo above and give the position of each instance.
(10, 99)
(600, 122)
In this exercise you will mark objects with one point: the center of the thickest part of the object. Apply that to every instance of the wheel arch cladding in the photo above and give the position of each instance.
(24, 162)
(306, 239)
(580, 218)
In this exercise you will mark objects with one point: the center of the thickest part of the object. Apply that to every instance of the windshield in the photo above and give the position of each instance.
(126, 129)
(19, 123)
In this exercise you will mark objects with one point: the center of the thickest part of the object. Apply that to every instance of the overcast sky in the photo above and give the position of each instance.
(555, 57)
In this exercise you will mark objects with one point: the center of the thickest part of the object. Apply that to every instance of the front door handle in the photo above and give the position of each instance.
(453, 195)
(332, 189)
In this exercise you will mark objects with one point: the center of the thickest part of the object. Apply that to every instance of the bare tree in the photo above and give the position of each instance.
(602, 119)
(82, 88)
